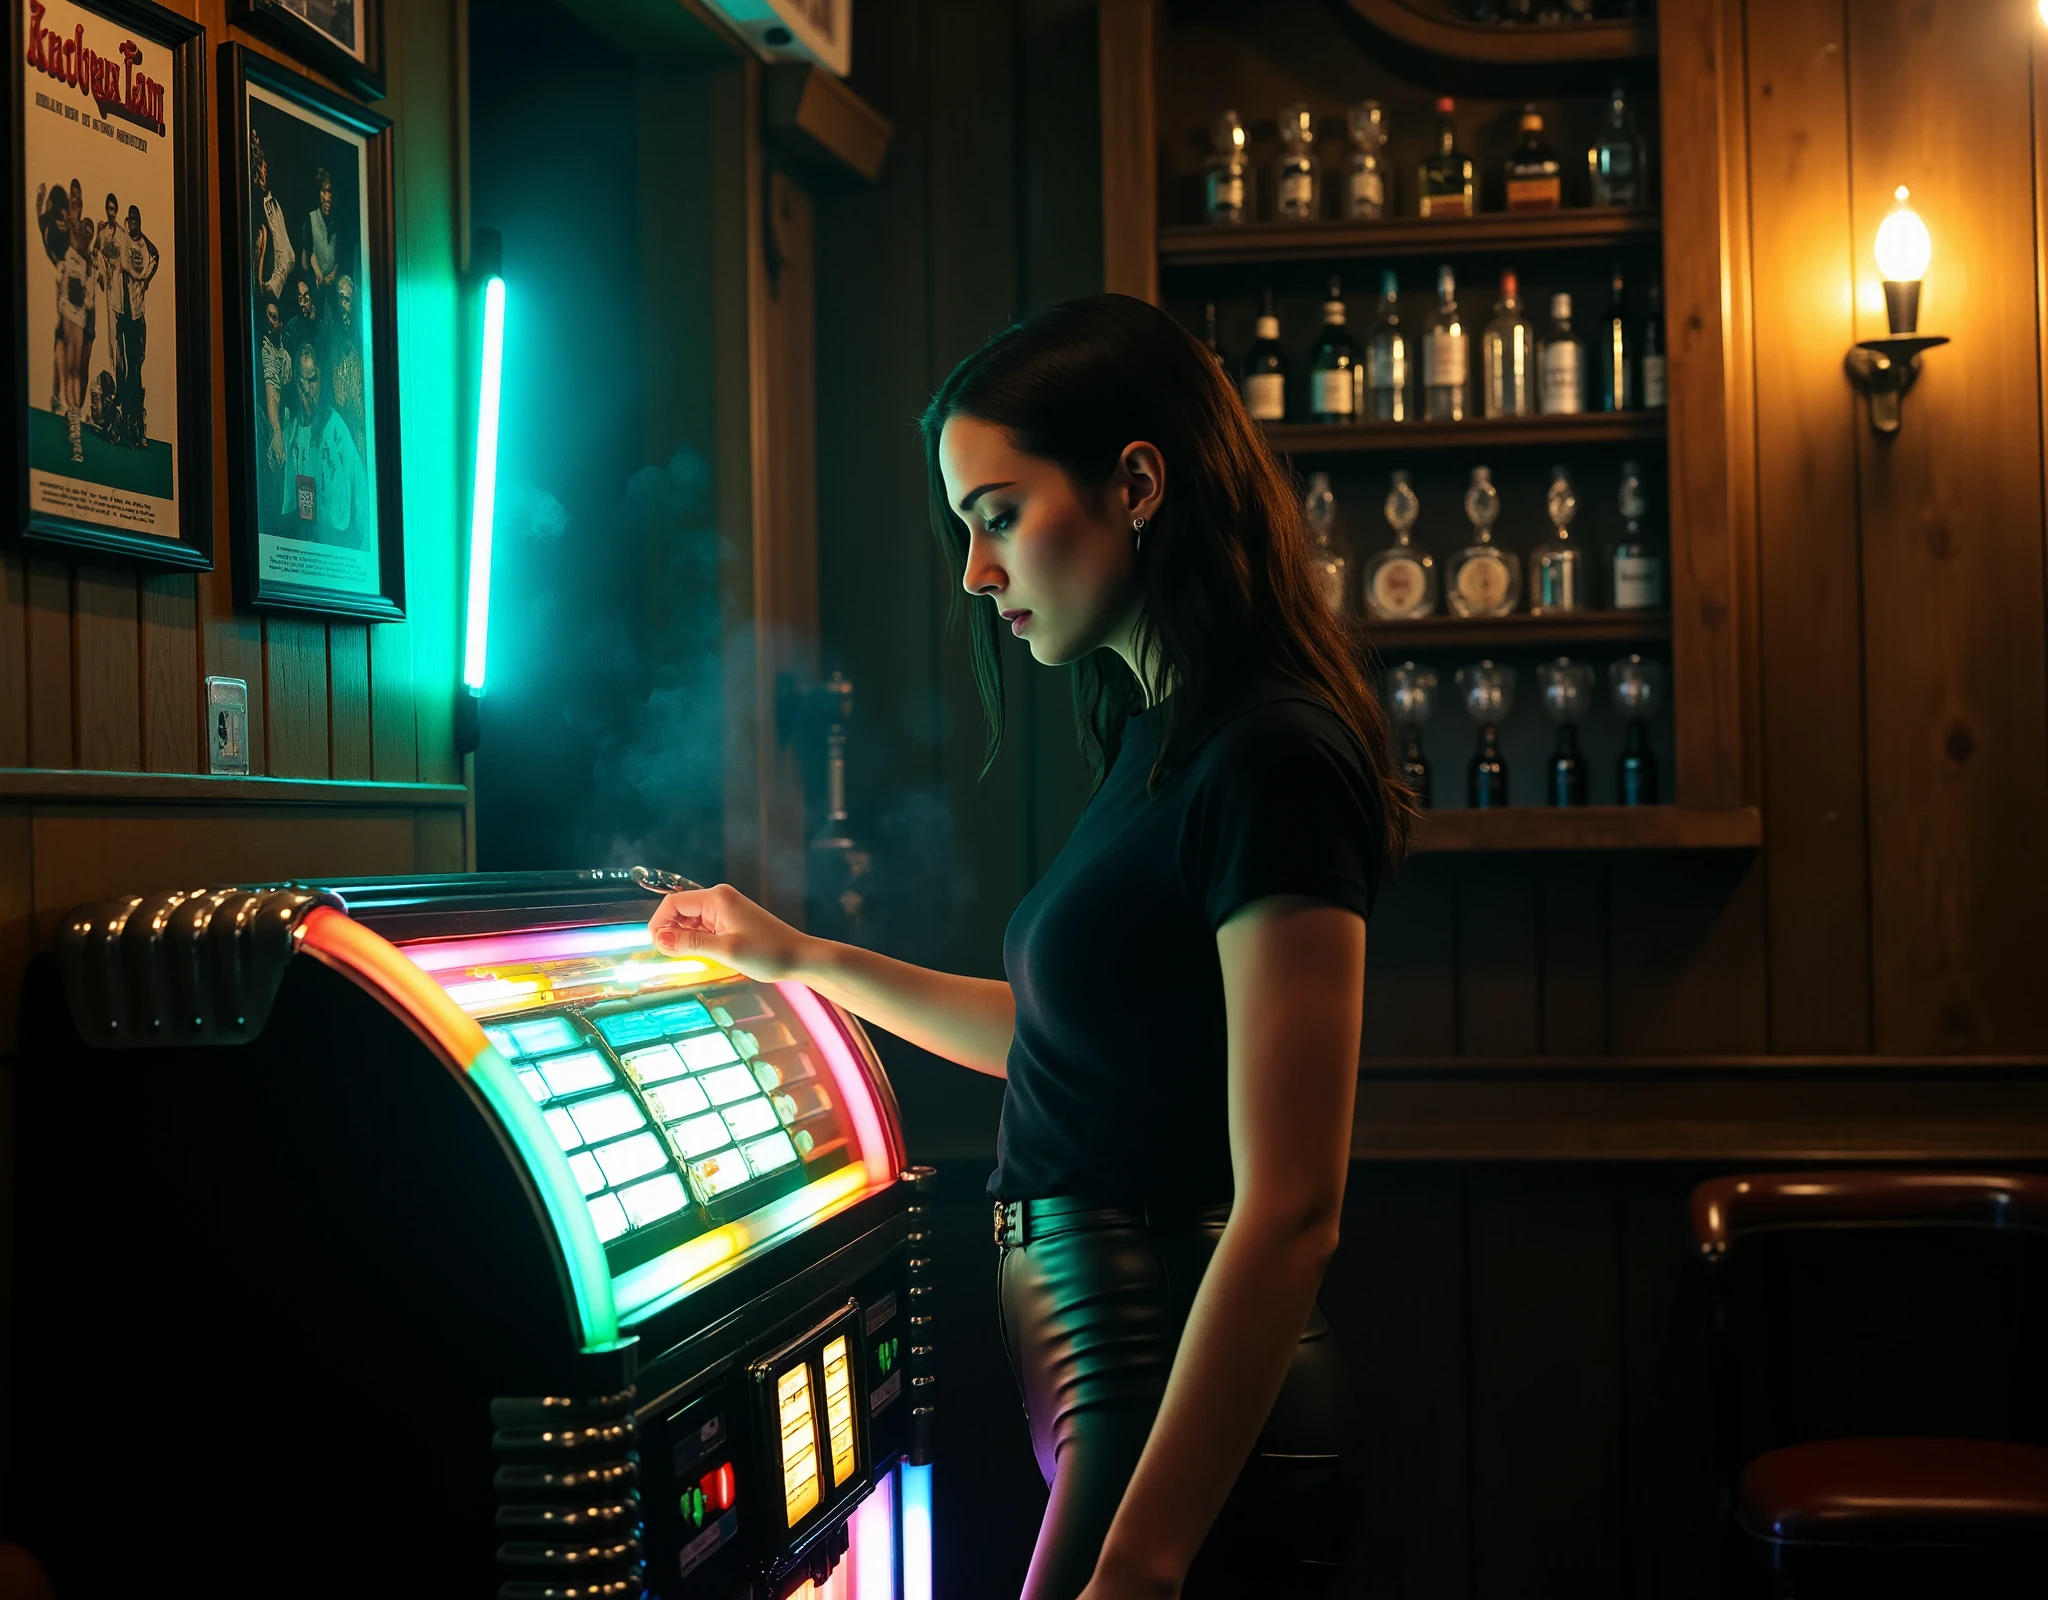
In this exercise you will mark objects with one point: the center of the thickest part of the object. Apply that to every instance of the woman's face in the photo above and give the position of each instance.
(1056, 560)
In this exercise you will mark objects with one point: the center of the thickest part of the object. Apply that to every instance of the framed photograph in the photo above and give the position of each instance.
(313, 485)
(110, 348)
(342, 38)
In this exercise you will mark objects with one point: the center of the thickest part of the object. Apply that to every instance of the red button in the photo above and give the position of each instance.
(717, 1485)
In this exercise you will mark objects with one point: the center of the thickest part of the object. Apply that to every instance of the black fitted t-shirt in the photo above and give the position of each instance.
(1116, 1070)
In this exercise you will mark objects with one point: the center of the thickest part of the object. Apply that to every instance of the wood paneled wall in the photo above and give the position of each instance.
(102, 668)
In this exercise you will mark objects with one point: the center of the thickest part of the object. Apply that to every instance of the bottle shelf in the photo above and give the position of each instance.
(1456, 39)
(1522, 828)
(1518, 631)
(1517, 232)
(1480, 433)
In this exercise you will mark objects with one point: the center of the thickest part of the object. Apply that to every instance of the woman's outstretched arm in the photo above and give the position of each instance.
(968, 1020)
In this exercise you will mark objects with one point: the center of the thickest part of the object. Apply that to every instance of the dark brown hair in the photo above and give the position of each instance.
(1225, 567)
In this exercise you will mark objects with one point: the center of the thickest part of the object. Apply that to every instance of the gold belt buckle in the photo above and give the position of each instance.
(1009, 1222)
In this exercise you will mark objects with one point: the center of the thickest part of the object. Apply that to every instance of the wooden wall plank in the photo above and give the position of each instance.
(1572, 955)
(50, 727)
(1500, 1000)
(1683, 978)
(438, 841)
(17, 899)
(1396, 1299)
(13, 657)
(1710, 450)
(394, 738)
(173, 719)
(1810, 599)
(106, 669)
(1955, 658)
(295, 674)
(1130, 160)
(1547, 1481)
(348, 700)
(1411, 963)
(973, 254)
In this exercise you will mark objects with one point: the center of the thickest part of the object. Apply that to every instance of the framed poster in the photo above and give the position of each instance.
(110, 350)
(313, 486)
(342, 38)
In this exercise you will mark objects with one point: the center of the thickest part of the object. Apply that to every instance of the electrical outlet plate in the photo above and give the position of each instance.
(227, 726)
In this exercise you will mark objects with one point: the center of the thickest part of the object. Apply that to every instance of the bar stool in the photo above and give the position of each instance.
(1947, 1494)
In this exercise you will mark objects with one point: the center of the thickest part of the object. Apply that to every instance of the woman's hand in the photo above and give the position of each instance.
(1113, 1580)
(725, 925)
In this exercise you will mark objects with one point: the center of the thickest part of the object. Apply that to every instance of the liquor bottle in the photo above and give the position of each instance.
(1209, 341)
(1387, 357)
(1400, 581)
(1447, 370)
(1559, 579)
(1616, 161)
(1228, 179)
(1411, 696)
(1336, 376)
(1365, 178)
(1563, 383)
(1535, 176)
(1297, 194)
(1329, 552)
(1486, 580)
(1617, 350)
(1653, 348)
(1444, 180)
(1507, 357)
(1638, 688)
(1489, 694)
(1265, 368)
(1635, 569)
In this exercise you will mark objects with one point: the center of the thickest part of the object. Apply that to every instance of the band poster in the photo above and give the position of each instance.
(100, 136)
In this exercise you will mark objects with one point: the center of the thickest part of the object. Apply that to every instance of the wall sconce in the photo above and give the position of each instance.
(1885, 368)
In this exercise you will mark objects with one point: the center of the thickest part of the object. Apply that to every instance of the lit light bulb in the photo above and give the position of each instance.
(2044, 10)
(1903, 247)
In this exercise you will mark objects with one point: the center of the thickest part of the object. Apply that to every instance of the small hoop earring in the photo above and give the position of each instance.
(1138, 528)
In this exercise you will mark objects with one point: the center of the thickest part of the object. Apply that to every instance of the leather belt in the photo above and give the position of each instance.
(1018, 1222)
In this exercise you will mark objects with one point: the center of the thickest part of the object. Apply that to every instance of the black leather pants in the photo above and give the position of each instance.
(1092, 1305)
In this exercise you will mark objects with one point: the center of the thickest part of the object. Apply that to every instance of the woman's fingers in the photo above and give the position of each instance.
(677, 914)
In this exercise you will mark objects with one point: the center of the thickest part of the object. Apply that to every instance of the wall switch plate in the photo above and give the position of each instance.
(227, 725)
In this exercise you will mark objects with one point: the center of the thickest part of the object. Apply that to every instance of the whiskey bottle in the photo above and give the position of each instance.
(1507, 357)
(1336, 377)
(1209, 341)
(1227, 181)
(1400, 581)
(1635, 569)
(1653, 348)
(1446, 362)
(1563, 382)
(1265, 369)
(1535, 176)
(1365, 178)
(1486, 580)
(1297, 193)
(1617, 349)
(1444, 180)
(1559, 577)
(1388, 353)
(1329, 552)
(1616, 162)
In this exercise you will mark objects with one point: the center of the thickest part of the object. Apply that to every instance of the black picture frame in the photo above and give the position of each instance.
(135, 525)
(258, 583)
(277, 22)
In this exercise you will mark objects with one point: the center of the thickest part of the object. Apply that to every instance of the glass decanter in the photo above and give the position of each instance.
(1297, 190)
(1567, 696)
(1227, 181)
(1558, 580)
(1329, 552)
(1411, 696)
(1365, 179)
(1400, 581)
(1489, 693)
(1486, 581)
(1638, 686)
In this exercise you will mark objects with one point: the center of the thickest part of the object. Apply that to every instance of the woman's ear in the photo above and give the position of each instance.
(1143, 472)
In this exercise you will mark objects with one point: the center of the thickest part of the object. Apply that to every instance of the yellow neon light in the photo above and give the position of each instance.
(799, 1442)
(839, 1410)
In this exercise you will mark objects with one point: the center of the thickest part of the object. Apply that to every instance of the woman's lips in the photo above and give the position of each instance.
(1017, 623)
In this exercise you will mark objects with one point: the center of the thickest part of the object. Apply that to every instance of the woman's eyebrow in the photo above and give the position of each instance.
(967, 504)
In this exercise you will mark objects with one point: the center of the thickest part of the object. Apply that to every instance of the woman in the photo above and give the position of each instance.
(1182, 1017)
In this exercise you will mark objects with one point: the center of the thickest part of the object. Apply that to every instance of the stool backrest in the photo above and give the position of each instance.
(1859, 1303)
